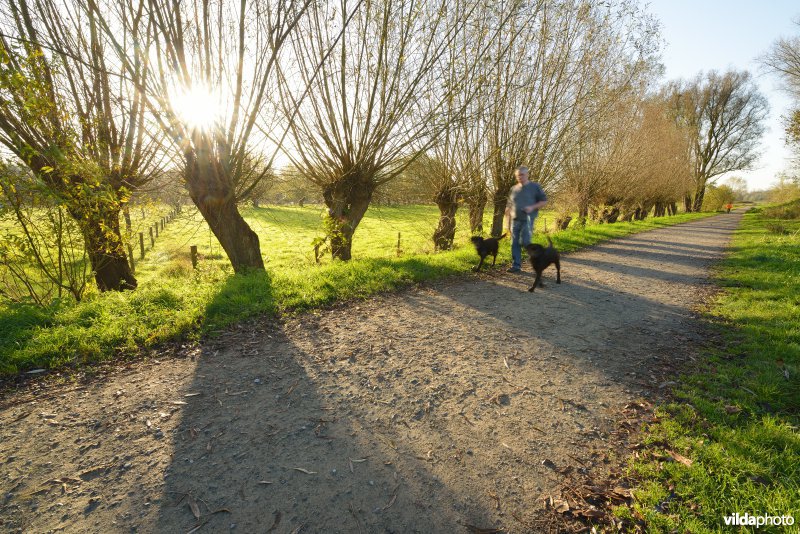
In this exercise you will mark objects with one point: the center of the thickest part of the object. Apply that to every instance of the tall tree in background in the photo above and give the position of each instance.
(600, 152)
(663, 172)
(724, 114)
(555, 81)
(510, 100)
(375, 106)
(219, 56)
(738, 185)
(454, 166)
(77, 125)
(784, 59)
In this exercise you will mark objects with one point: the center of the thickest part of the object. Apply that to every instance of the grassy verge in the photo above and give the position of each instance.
(736, 419)
(174, 301)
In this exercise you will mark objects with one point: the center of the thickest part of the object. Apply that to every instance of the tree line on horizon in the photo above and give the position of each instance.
(434, 99)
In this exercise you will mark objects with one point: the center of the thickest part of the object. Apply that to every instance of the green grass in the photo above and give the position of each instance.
(737, 416)
(174, 301)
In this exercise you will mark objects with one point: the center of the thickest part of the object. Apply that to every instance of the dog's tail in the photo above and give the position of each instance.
(502, 236)
(550, 241)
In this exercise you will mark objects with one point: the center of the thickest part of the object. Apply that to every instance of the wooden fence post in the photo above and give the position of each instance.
(398, 243)
(193, 254)
(156, 227)
(141, 245)
(545, 224)
(152, 239)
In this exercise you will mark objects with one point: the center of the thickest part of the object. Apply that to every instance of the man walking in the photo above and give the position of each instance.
(524, 202)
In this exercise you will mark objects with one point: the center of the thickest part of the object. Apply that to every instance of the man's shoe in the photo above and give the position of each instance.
(513, 270)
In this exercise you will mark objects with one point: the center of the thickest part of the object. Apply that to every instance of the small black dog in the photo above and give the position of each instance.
(487, 246)
(541, 258)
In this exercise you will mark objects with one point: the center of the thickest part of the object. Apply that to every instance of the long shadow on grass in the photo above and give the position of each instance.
(18, 324)
(322, 285)
(240, 297)
(257, 293)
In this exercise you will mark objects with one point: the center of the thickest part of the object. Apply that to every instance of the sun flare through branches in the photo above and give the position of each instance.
(197, 107)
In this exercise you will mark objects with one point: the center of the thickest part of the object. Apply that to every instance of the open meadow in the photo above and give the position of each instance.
(176, 301)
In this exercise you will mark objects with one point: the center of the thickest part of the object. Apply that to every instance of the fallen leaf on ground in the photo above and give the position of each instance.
(193, 507)
(390, 503)
(622, 492)
(306, 471)
(559, 505)
(680, 458)
(590, 513)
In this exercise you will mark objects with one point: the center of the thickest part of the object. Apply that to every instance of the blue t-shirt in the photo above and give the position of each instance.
(523, 196)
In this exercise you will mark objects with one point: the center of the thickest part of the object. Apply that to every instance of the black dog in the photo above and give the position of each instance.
(487, 246)
(541, 259)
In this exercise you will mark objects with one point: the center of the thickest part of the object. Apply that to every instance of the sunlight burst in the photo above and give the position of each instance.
(197, 107)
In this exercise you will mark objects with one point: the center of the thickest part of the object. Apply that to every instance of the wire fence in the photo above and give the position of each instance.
(160, 234)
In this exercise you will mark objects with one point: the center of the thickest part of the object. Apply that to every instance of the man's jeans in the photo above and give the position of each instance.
(520, 237)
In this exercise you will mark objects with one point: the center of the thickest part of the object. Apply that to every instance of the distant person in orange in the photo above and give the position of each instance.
(728, 207)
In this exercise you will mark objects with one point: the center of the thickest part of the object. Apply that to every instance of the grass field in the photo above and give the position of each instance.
(175, 301)
(736, 418)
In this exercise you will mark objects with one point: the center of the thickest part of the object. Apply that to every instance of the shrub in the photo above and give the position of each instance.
(790, 210)
(717, 196)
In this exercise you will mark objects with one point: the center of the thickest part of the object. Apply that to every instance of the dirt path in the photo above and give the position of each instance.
(465, 403)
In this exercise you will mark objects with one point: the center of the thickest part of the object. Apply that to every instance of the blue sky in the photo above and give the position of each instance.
(702, 35)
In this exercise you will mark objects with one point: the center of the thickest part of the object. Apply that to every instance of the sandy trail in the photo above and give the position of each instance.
(464, 403)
